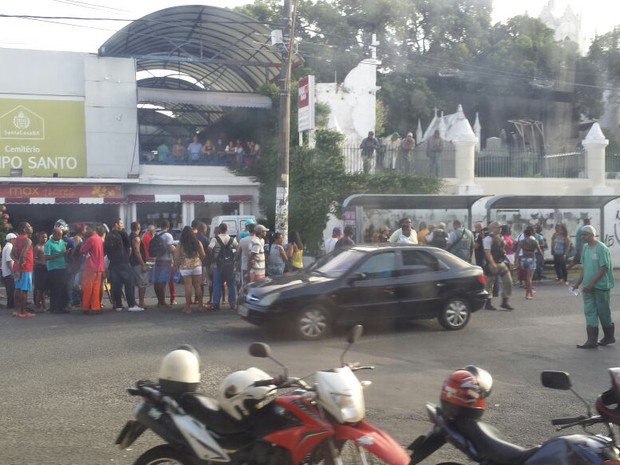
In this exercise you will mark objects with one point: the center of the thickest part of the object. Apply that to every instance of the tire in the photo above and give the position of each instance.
(455, 314)
(164, 455)
(312, 323)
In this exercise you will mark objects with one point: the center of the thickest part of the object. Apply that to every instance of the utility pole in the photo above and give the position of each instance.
(284, 130)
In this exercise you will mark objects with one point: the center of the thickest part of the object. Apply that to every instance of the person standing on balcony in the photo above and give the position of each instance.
(194, 150)
(369, 145)
(433, 151)
(405, 156)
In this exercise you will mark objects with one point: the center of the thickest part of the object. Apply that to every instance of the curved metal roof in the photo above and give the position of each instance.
(202, 49)
(219, 48)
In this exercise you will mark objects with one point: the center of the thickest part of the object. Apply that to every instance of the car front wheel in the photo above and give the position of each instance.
(455, 314)
(312, 323)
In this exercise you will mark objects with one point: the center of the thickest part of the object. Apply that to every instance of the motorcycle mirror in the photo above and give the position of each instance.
(355, 333)
(556, 380)
(260, 350)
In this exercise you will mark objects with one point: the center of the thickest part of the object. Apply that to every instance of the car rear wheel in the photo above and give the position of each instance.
(455, 314)
(312, 323)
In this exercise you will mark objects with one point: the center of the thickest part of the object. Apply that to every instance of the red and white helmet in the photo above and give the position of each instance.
(464, 392)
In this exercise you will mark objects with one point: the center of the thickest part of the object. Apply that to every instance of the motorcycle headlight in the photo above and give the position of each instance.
(349, 408)
(269, 299)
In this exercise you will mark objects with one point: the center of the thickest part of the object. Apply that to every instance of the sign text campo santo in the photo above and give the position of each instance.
(42, 137)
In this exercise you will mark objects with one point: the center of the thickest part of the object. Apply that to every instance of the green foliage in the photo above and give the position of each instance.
(319, 184)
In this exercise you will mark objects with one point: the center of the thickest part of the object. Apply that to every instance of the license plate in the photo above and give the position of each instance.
(242, 310)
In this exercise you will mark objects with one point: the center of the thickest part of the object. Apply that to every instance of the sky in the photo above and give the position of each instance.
(598, 16)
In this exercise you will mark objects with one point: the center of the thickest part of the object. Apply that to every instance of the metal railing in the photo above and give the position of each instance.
(513, 164)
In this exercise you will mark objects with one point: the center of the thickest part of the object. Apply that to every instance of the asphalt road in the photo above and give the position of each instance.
(64, 377)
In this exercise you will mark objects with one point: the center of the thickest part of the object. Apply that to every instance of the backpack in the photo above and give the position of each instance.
(440, 238)
(113, 245)
(157, 246)
(225, 257)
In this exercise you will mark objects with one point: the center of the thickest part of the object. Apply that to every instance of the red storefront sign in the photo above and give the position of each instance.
(59, 191)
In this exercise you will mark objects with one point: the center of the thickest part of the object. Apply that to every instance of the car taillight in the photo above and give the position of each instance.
(482, 279)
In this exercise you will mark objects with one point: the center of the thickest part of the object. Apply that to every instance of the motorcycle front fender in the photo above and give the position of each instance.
(130, 432)
(375, 441)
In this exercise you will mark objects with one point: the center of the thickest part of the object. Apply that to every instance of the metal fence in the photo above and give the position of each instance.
(513, 164)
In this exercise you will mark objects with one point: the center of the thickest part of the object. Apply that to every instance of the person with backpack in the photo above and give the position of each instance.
(161, 248)
(438, 237)
(222, 249)
(461, 241)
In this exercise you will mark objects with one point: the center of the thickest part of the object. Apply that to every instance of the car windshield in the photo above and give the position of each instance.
(338, 264)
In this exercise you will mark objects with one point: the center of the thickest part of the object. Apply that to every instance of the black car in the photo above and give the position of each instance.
(367, 283)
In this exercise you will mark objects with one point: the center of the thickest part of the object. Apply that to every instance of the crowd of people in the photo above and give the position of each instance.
(74, 271)
(206, 152)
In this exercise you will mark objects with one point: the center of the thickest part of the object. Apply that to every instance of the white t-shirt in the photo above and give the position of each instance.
(168, 241)
(244, 246)
(330, 244)
(6, 260)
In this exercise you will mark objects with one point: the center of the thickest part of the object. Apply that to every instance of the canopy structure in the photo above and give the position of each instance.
(193, 61)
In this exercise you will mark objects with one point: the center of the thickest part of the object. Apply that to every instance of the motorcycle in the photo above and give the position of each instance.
(462, 428)
(249, 424)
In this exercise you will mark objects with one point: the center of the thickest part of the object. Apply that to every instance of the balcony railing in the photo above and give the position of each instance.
(513, 164)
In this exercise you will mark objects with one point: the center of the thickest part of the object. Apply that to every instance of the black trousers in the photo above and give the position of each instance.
(57, 285)
(121, 278)
(9, 286)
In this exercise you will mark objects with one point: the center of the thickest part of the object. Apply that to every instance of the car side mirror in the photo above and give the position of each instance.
(556, 380)
(358, 277)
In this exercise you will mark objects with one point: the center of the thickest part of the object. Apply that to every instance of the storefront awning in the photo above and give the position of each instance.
(195, 198)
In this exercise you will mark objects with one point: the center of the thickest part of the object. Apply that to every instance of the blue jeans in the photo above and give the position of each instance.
(224, 276)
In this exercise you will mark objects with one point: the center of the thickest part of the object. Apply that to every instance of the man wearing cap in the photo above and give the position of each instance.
(330, 243)
(256, 263)
(7, 270)
(598, 279)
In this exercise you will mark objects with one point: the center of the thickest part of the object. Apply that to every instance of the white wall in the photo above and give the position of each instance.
(108, 87)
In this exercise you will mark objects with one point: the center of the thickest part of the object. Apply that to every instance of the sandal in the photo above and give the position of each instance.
(187, 311)
(25, 315)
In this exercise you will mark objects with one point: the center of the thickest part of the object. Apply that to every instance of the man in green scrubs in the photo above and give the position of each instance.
(598, 279)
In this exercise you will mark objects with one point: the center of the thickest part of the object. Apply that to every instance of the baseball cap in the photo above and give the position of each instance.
(10, 236)
(337, 230)
(260, 228)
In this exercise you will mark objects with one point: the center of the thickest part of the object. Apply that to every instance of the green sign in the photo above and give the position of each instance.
(42, 138)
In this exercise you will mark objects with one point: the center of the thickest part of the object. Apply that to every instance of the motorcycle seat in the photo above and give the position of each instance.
(490, 446)
(207, 411)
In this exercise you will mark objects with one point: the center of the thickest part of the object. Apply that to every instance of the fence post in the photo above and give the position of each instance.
(595, 144)
(464, 141)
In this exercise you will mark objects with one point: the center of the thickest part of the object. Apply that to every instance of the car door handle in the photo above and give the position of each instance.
(388, 290)
(440, 284)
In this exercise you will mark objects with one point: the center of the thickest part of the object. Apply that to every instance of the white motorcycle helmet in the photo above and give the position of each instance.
(62, 225)
(179, 372)
(238, 397)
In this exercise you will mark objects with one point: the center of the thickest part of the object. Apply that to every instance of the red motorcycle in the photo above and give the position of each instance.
(249, 424)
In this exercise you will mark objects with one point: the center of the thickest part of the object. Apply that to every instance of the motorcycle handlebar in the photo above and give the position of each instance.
(567, 421)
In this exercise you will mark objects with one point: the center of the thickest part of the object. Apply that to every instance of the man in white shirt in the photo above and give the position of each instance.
(330, 243)
(256, 263)
(244, 251)
(7, 270)
(406, 234)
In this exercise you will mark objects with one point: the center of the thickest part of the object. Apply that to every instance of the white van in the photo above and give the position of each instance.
(235, 223)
